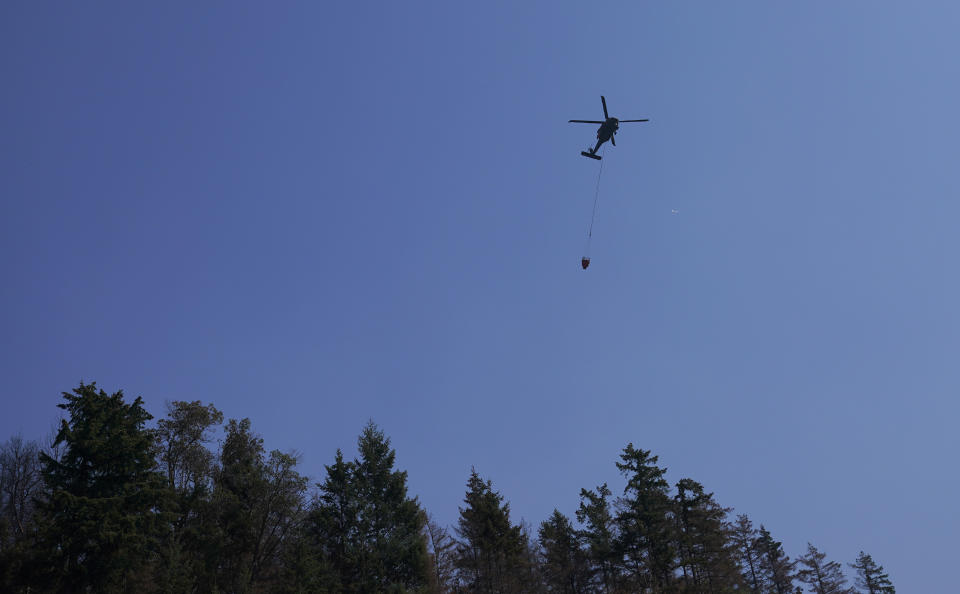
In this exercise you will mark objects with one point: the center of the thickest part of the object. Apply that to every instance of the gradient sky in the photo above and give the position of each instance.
(314, 214)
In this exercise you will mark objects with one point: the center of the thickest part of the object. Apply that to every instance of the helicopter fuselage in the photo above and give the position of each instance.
(607, 129)
(604, 133)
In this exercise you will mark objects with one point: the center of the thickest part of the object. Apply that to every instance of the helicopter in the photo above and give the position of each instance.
(608, 128)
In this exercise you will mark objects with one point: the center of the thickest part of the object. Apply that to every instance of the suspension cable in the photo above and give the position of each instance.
(596, 198)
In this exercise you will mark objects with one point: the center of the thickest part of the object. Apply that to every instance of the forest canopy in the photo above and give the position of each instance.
(111, 503)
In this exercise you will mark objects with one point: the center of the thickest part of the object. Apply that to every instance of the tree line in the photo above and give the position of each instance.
(112, 505)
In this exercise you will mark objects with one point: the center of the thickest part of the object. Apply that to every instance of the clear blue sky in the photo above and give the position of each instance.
(313, 214)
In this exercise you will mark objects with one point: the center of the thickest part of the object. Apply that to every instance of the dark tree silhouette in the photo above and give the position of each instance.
(820, 575)
(646, 537)
(490, 554)
(111, 506)
(103, 518)
(870, 576)
(776, 566)
(599, 535)
(369, 529)
(744, 537)
(564, 563)
(707, 555)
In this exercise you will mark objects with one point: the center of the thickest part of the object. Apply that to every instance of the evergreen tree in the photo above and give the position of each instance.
(528, 572)
(564, 564)
(599, 537)
(820, 575)
(706, 555)
(775, 566)
(393, 553)
(366, 526)
(303, 566)
(870, 576)
(101, 520)
(744, 537)
(111, 506)
(334, 525)
(646, 530)
(490, 552)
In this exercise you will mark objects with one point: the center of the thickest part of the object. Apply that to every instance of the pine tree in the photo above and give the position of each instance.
(599, 537)
(393, 555)
(870, 576)
(303, 567)
(646, 531)
(369, 530)
(775, 566)
(707, 557)
(744, 537)
(528, 577)
(820, 575)
(102, 519)
(333, 523)
(563, 566)
(490, 551)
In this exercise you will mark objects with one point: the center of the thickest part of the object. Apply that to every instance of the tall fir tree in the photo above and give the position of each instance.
(599, 535)
(870, 576)
(775, 565)
(707, 556)
(820, 575)
(103, 517)
(393, 555)
(370, 531)
(528, 574)
(490, 554)
(646, 530)
(333, 523)
(564, 564)
(744, 537)
(303, 566)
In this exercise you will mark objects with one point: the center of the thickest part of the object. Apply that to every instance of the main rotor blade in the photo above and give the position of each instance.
(584, 122)
(605, 114)
(621, 121)
(613, 139)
